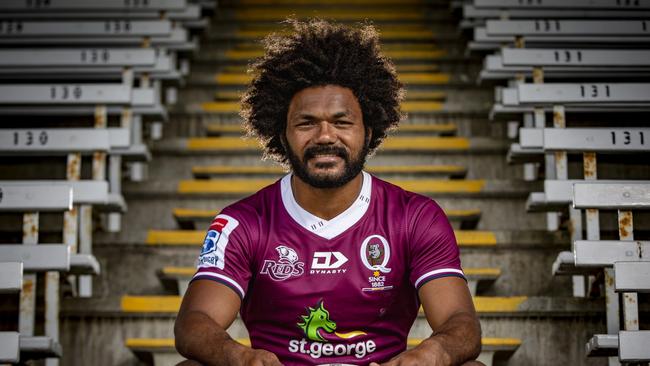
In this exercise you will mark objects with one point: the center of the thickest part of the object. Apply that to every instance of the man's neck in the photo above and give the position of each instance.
(326, 203)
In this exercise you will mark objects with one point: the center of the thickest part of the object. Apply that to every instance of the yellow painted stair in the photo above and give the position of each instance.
(244, 186)
(393, 143)
(146, 348)
(168, 343)
(186, 217)
(411, 95)
(196, 237)
(171, 304)
(415, 106)
(176, 279)
(395, 55)
(251, 14)
(214, 129)
(453, 171)
(411, 78)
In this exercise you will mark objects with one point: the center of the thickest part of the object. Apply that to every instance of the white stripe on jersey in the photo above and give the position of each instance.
(437, 271)
(222, 277)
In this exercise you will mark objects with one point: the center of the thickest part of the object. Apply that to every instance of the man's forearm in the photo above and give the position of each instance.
(457, 340)
(200, 339)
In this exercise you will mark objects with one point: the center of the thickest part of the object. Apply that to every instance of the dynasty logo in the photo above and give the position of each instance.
(322, 340)
(286, 266)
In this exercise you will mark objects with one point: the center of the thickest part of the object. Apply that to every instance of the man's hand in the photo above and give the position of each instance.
(246, 357)
(429, 353)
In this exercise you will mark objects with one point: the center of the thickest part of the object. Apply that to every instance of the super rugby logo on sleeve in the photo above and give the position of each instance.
(215, 242)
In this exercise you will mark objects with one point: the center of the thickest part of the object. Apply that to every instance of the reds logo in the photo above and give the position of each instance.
(286, 266)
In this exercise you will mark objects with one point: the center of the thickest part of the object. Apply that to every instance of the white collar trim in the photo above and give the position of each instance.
(321, 227)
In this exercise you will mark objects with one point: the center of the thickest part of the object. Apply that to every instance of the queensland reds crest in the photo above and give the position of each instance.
(375, 253)
(287, 265)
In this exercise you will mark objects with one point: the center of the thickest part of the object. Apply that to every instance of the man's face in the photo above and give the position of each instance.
(326, 139)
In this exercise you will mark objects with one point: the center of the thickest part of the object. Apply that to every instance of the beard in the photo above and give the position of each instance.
(351, 167)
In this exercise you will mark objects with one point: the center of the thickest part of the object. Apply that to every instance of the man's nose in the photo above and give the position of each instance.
(326, 133)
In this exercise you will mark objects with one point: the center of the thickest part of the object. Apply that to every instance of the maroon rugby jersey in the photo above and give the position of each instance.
(320, 291)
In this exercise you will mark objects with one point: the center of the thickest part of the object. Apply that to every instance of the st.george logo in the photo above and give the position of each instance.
(322, 340)
(287, 265)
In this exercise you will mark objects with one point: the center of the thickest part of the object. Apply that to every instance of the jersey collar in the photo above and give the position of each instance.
(327, 229)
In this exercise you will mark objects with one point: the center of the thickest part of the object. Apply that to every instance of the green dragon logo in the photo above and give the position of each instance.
(319, 318)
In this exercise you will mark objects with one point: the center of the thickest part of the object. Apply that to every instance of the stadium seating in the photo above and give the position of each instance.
(596, 70)
(77, 81)
(87, 88)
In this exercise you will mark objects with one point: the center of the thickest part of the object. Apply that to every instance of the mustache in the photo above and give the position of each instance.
(311, 152)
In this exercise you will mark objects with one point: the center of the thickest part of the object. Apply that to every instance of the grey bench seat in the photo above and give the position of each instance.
(177, 40)
(560, 4)
(91, 192)
(11, 276)
(86, 63)
(591, 255)
(49, 257)
(533, 142)
(630, 346)
(33, 347)
(558, 194)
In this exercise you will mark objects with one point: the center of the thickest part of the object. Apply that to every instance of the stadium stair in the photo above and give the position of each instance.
(446, 149)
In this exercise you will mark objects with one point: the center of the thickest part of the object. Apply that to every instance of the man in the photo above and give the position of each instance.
(329, 265)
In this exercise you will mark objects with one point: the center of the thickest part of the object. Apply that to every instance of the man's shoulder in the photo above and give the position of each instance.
(250, 208)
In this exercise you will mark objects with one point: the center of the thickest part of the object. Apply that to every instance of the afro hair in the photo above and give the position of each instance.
(319, 53)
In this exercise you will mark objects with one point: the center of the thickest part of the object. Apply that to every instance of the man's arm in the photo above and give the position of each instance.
(456, 336)
(207, 310)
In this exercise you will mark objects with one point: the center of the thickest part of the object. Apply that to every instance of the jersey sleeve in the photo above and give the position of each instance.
(225, 257)
(434, 252)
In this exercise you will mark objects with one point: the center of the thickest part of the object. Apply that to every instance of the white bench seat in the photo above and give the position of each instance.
(479, 14)
(559, 4)
(558, 194)
(9, 347)
(11, 277)
(630, 346)
(91, 192)
(36, 347)
(29, 196)
(628, 195)
(602, 345)
(589, 256)
(633, 276)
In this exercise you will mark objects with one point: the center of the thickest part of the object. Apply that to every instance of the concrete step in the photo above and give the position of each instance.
(390, 34)
(176, 279)
(452, 52)
(194, 124)
(465, 238)
(404, 14)
(146, 211)
(166, 306)
(442, 129)
(161, 351)
(240, 80)
(560, 349)
(393, 144)
(223, 171)
(487, 166)
(413, 108)
(190, 219)
(233, 188)
(198, 67)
